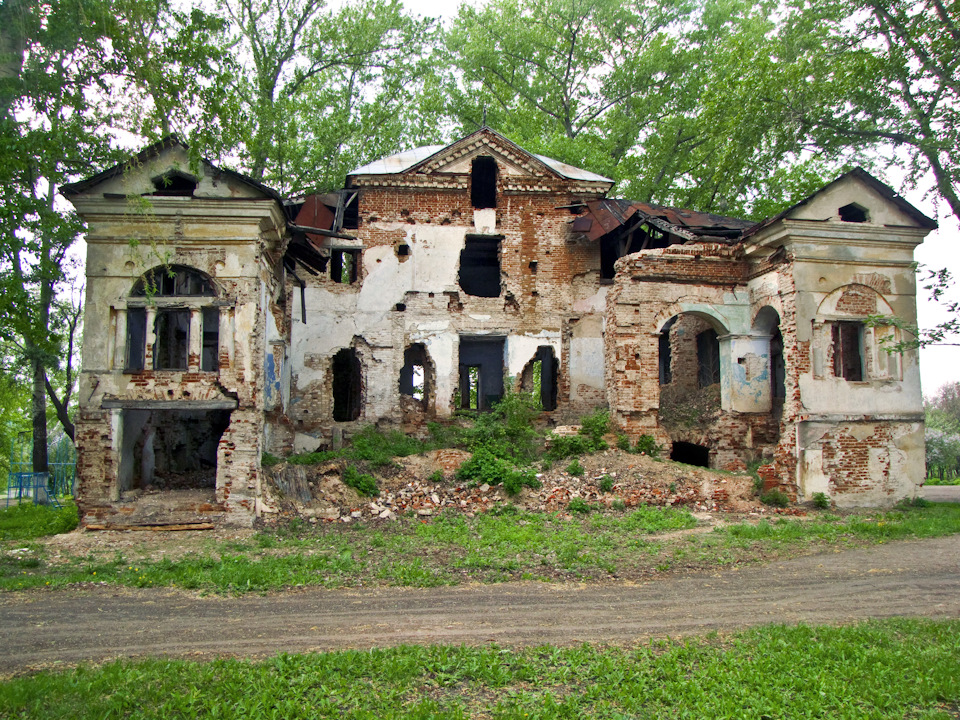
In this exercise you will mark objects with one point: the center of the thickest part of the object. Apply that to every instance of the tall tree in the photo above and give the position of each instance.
(326, 88)
(884, 76)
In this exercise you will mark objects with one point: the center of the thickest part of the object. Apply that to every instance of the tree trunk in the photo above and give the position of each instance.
(39, 414)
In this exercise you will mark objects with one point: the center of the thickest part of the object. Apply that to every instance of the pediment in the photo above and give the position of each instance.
(457, 158)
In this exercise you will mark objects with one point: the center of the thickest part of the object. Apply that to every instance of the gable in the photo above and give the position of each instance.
(458, 157)
(851, 199)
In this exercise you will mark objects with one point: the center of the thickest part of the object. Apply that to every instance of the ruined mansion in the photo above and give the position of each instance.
(223, 321)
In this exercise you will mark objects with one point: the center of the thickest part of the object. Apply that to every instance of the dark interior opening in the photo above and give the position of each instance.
(483, 182)
(854, 213)
(481, 372)
(172, 329)
(174, 185)
(708, 358)
(346, 385)
(480, 265)
(848, 350)
(173, 280)
(343, 265)
(210, 349)
(136, 338)
(778, 372)
(171, 449)
(690, 454)
(609, 254)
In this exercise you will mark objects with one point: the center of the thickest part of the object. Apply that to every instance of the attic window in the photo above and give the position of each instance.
(854, 213)
(174, 184)
(483, 183)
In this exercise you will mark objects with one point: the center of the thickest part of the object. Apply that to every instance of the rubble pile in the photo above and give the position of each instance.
(628, 481)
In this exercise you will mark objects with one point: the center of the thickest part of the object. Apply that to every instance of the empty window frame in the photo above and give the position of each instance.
(665, 363)
(481, 372)
(172, 346)
(344, 265)
(136, 338)
(854, 213)
(413, 374)
(210, 349)
(848, 350)
(540, 377)
(173, 281)
(346, 386)
(480, 265)
(708, 358)
(483, 182)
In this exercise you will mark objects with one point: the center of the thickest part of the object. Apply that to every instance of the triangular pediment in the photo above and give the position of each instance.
(457, 158)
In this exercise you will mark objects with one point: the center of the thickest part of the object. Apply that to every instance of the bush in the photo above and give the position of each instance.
(269, 460)
(575, 468)
(564, 446)
(437, 477)
(486, 468)
(379, 449)
(579, 505)
(594, 426)
(775, 498)
(362, 483)
(821, 500)
(606, 484)
(508, 431)
(646, 445)
(623, 442)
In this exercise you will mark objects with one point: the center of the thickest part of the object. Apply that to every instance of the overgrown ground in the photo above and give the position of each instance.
(451, 548)
(888, 669)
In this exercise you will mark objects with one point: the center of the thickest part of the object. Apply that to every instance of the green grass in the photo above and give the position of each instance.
(450, 548)
(886, 669)
(28, 521)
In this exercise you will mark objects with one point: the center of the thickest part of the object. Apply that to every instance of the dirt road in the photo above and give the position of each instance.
(914, 578)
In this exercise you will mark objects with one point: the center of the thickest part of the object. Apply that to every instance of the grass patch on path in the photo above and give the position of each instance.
(881, 669)
(506, 544)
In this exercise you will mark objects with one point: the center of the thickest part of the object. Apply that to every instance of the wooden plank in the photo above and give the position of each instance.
(152, 528)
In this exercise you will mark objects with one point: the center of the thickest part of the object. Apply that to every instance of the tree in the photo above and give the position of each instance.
(326, 89)
(665, 97)
(881, 77)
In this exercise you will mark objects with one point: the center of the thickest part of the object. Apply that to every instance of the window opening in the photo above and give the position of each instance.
(136, 338)
(346, 386)
(210, 350)
(481, 372)
(172, 330)
(539, 377)
(848, 350)
(403, 250)
(480, 266)
(666, 354)
(690, 454)
(343, 265)
(413, 374)
(174, 280)
(174, 184)
(708, 358)
(854, 213)
(777, 367)
(483, 182)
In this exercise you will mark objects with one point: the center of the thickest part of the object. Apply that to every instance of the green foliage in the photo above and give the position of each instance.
(508, 430)
(594, 426)
(882, 669)
(486, 468)
(606, 484)
(821, 500)
(362, 483)
(579, 505)
(314, 458)
(437, 477)
(623, 442)
(27, 522)
(379, 448)
(269, 460)
(575, 468)
(775, 498)
(647, 445)
(564, 446)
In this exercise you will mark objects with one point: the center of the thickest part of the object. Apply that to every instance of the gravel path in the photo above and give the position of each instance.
(918, 578)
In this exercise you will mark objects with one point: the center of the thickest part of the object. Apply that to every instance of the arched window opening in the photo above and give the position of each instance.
(691, 454)
(778, 372)
(172, 322)
(346, 385)
(483, 182)
(665, 362)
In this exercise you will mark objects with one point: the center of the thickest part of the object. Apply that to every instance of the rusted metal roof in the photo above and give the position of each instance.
(608, 215)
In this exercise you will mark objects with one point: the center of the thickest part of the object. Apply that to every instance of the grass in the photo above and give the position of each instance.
(451, 548)
(881, 669)
(28, 521)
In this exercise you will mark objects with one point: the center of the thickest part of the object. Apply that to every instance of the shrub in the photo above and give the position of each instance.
(775, 498)
(646, 445)
(623, 442)
(485, 467)
(269, 460)
(606, 484)
(821, 500)
(594, 426)
(564, 446)
(362, 483)
(508, 431)
(579, 505)
(575, 468)
(379, 449)
(619, 504)
(437, 476)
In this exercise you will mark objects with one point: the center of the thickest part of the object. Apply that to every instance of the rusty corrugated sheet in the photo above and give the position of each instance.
(604, 216)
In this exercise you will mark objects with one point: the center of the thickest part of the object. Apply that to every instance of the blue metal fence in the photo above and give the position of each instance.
(42, 488)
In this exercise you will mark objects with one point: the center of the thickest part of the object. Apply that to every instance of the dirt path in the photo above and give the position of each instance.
(914, 578)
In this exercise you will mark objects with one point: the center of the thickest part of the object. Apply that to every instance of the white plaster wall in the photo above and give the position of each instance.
(520, 349)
